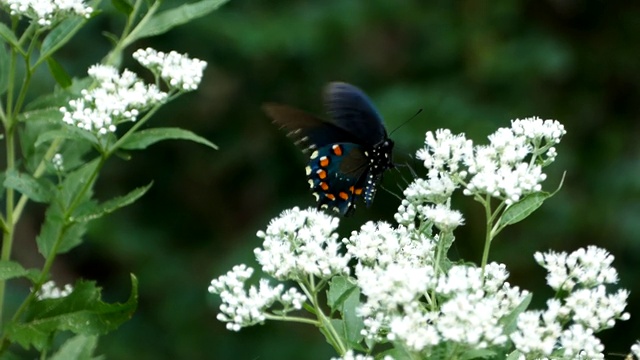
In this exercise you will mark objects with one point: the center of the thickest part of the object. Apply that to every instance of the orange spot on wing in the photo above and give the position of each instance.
(330, 196)
(358, 191)
(324, 186)
(343, 195)
(321, 174)
(337, 149)
(324, 161)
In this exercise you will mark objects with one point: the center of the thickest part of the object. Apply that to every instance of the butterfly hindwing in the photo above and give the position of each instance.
(334, 188)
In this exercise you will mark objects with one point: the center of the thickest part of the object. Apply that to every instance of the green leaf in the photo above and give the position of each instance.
(340, 288)
(142, 139)
(59, 233)
(59, 36)
(60, 97)
(477, 354)
(79, 347)
(510, 321)
(4, 64)
(38, 190)
(124, 6)
(59, 74)
(81, 312)
(9, 36)
(523, 208)
(166, 20)
(52, 115)
(68, 132)
(114, 204)
(344, 296)
(12, 269)
(514, 355)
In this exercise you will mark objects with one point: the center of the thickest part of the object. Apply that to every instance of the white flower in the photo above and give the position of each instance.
(57, 162)
(589, 267)
(596, 310)
(578, 342)
(117, 98)
(241, 308)
(635, 349)
(178, 70)
(379, 243)
(45, 12)
(445, 152)
(300, 243)
(350, 355)
(414, 327)
(535, 129)
(49, 290)
(536, 334)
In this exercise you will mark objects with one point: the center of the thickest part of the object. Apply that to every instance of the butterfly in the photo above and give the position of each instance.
(349, 151)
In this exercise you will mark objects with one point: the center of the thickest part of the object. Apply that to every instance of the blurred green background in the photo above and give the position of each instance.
(472, 66)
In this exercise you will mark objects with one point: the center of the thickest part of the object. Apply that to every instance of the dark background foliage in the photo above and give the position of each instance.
(470, 65)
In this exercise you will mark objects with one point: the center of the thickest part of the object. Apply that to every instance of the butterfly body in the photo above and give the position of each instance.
(349, 152)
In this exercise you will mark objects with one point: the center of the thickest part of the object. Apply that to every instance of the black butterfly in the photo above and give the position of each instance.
(349, 151)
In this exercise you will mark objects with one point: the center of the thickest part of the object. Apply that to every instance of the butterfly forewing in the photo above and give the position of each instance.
(352, 110)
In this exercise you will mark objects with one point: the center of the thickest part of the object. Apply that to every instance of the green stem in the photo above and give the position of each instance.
(324, 323)
(487, 235)
(292, 319)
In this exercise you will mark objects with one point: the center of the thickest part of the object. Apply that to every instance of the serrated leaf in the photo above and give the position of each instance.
(12, 269)
(123, 6)
(38, 190)
(142, 139)
(59, 74)
(4, 64)
(81, 312)
(114, 204)
(60, 35)
(9, 36)
(79, 347)
(523, 208)
(166, 20)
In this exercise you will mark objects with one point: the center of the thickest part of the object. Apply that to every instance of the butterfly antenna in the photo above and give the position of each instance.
(406, 121)
(390, 192)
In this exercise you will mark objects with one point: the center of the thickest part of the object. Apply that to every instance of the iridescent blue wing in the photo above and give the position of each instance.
(337, 175)
(352, 110)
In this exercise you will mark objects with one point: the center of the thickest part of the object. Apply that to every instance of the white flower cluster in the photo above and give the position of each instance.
(569, 324)
(508, 168)
(45, 12)
(117, 98)
(635, 349)
(177, 70)
(49, 290)
(470, 308)
(350, 355)
(58, 162)
(241, 307)
(589, 267)
(301, 243)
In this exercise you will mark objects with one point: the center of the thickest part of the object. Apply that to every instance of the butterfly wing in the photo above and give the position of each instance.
(307, 131)
(352, 110)
(337, 174)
